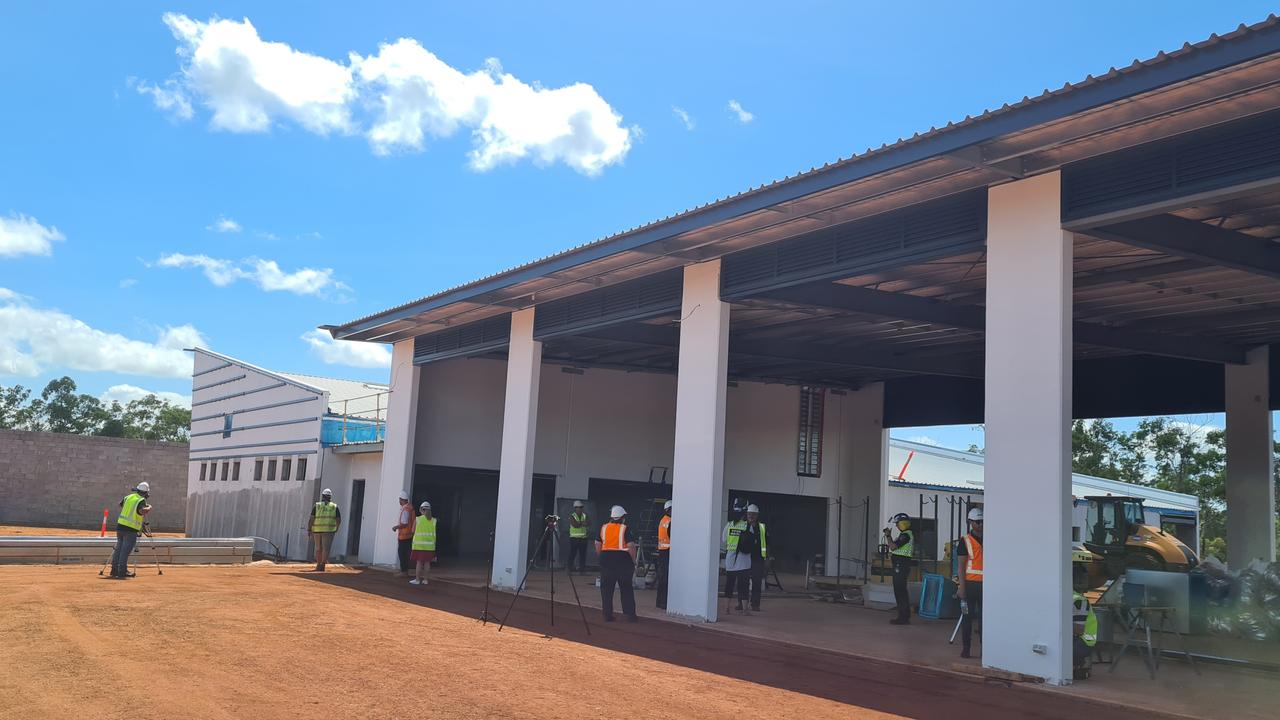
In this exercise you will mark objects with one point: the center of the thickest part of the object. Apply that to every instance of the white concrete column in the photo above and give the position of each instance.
(515, 473)
(698, 472)
(1027, 588)
(863, 450)
(1251, 493)
(397, 451)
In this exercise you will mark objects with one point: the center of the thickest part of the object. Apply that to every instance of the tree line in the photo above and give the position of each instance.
(61, 408)
(1166, 455)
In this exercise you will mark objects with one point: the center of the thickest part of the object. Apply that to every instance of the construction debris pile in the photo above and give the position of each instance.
(1246, 603)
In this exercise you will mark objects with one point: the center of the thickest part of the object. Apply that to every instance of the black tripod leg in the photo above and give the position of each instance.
(524, 579)
(578, 600)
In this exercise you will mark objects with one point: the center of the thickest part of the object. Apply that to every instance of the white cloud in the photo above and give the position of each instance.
(346, 352)
(22, 235)
(266, 274)
(128, 283)
(247, 82)
(125, 394)
(743, 116)
(398, 97)
(33, 338)
(684, 117)
(168, 97)
(224, 225)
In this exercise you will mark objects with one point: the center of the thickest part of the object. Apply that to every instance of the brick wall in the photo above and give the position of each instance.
(57, 480)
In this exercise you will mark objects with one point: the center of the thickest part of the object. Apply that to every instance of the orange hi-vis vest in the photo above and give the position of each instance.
(406, 523)
(664, 533)
(973, 573)
(613, 537)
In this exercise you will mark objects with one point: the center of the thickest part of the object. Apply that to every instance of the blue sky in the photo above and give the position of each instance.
(130, 137)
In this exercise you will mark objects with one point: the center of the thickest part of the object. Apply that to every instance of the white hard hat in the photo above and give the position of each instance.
(425, 504)
(144, 486)
(617, 511)
(326, 491)
(666, 505)
(975, 514)
(404, 495)
(753, 508)
(577, 503)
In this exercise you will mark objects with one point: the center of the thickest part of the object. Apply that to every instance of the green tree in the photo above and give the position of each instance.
(14, 413)
(61, 409)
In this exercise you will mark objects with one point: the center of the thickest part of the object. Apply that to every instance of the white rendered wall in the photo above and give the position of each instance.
(856, 463)
(698, 464)
(340, 472)
(1028, 431)
(1251, 498)
(398, 445)
(519, 430)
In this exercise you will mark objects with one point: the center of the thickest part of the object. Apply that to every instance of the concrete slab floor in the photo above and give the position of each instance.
(798, 619)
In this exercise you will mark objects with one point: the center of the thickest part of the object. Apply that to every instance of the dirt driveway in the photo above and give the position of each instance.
(266, 642)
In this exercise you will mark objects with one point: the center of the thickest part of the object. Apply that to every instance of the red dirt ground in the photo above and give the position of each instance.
(268, 642)
(28, 531)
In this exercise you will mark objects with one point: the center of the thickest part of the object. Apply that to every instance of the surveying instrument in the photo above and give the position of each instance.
(550, 541)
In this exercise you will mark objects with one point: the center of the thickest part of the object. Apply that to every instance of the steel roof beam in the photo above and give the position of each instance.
(832, 355)
(1194, 240)
(974, 317)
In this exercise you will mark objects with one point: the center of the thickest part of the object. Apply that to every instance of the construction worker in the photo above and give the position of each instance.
(424, 544)
(736, 565)
(325, 519)
(617, 551)
(1084, 626)
(664, 554)
(902, 550)
(969, 578)
(754, 536)
(404, 533)
(578, 531)
(133, 510)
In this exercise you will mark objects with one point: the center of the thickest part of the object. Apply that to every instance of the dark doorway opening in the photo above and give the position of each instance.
(796, 525)
(357, 511)
(465, 503)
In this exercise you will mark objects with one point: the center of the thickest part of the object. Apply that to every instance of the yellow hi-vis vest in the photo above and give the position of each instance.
(581, 530)
(424, 534)
(326, 517)
(1082, 612)
(736, 529)
(129, 515)
(908, 549)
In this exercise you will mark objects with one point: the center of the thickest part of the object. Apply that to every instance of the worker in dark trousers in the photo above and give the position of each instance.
(133, 512)
(578, 531)
(617, 551)
(969, 578)
(664, 554)
(902, 549)
(754, 542)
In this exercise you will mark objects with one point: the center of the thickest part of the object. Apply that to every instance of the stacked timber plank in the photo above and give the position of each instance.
(32, 550)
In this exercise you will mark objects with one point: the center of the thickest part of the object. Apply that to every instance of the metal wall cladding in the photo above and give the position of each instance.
(1222, 156)
(473, 337)
(645, 297)
(947, 226)
(277, 515)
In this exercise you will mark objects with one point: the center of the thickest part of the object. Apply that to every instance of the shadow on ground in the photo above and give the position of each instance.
(916, 692)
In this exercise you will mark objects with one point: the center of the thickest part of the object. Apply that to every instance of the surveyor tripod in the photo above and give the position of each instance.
(549, 541)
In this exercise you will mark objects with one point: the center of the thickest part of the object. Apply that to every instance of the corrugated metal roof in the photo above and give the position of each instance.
(937, 467)
(349, 397)
(1027, 101)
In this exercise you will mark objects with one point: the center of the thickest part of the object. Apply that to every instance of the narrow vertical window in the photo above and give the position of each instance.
(235, 472)
(257, 469)
(226, 471)
(226, 425)
(809, 444)
(203, 470)
(285, 467)
(271, 470)
(302, 469)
